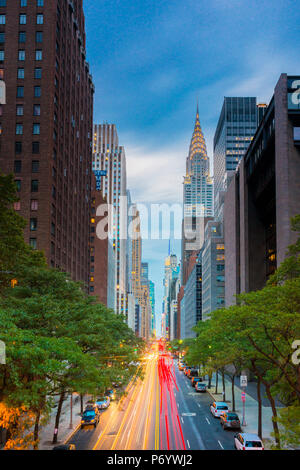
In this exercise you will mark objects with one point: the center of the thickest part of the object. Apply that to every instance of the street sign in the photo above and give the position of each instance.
(243, 396)
(243, 381)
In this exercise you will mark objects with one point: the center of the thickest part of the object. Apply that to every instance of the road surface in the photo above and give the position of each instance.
(161, 412)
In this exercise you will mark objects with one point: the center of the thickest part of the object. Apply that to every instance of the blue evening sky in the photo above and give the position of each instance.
(152, 59)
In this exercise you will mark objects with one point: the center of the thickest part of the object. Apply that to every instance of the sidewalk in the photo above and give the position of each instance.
(251, 410)
(64, 431)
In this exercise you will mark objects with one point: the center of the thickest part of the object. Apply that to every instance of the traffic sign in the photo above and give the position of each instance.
(243, 396)
(243, 381)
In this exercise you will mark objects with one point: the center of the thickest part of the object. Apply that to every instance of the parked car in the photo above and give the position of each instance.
(245, 441)
(103, 403)
(181, 365)
(192, 373)
(194, 380)
(91, 405)
(111, 394)
(228, 419)
(186, 369)
(217, 408)
(90, 417)
(65, 447)
(200, 387)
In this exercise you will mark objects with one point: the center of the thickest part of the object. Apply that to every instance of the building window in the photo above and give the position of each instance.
(32, 243)
(23, 3)
(52, 229)
(18, 166)
(21, 55)
(22, 36)
(20, 92)
(220, 246)
(20, 110)
(2, 55)
(1, 74)
(38, 55)
(36, 129)
(22, 19)
(17, 206)
(2, 38)
(39, 3)
(21, 73)
(35, 147)
(39, 36)
(37, 92)
(34, 205)
(18, 147)
(2, 19)
(19, 129)
(2, 3)
(34, 186)
(18, 184)
(40, 19)
(36, 110)
(33, 224)
(35, 166)
(38, 73)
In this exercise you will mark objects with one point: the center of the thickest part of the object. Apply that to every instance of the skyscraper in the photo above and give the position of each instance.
(236, 126)
(110, 157)
(47, 126)
(170, 277)
(197, 197)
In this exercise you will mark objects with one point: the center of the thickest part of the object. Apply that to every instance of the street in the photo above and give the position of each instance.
(161, 412)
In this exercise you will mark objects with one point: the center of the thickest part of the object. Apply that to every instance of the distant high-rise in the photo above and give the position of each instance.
(236, 126)
(197, 197)
(170, 278)
(110, 157)
(46, 126)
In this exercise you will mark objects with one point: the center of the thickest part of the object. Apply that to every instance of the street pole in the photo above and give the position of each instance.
(244, 406)
(71, 412)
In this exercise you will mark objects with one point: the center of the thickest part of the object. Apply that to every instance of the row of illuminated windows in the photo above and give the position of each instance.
(22, 37)
(34, 205)
(23, 19)
(37, 92)
(36, 110)
(36, 129)
(22, 57)
(23, 3)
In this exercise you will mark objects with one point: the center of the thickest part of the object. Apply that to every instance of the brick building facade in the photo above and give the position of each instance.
(46, 126)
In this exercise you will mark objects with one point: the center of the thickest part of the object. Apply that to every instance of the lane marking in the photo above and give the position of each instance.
(188, 414)
(182, 421)
(220, 445)
(199, 405)
(188, 444)
(207, 420)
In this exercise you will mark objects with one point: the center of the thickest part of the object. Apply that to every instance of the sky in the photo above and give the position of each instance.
(152, 60)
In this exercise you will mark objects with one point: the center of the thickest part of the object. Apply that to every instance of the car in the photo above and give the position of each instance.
(111, 394)
(192, 373)
(200, 387)
(186, 369)
(195, 380)
(181, 365)
(245, 441)
(65, 447)
(89, 417)
(91, 405)
(103, 403)
(217, 408)
(229, 419)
